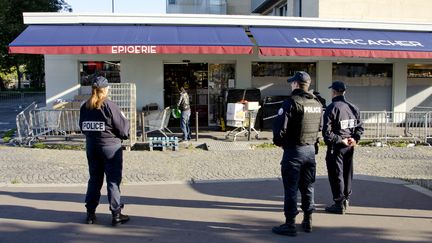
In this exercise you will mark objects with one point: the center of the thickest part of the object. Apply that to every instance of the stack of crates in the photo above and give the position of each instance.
(163, 143)
(124, 95)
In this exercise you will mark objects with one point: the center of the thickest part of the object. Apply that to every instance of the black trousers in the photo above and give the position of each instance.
(340, 169)
(106, 160)
(298, 167)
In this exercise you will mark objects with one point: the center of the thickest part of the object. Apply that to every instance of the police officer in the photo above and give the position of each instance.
(104, 126)
(184, 105)
(296, 129)
(342, 130)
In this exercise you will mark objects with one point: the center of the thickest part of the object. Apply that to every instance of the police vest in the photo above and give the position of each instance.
(303, 127)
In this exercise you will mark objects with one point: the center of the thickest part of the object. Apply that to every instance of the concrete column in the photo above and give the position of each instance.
(399, 87)
(243, 74)
(61, 78)
(324, 78)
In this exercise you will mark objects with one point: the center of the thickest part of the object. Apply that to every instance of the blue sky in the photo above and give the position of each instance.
(120, 6)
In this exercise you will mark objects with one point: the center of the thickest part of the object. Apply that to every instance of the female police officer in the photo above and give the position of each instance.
(104, 126)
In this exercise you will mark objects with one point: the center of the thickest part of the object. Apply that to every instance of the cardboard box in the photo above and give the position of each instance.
(235, 112)
(252, 106)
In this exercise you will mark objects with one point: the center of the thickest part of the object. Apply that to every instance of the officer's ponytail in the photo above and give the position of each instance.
(97, 98)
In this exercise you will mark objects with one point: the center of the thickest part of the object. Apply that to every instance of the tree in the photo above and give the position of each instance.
(11, 25)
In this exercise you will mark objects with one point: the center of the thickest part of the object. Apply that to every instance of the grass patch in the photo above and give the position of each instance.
(58, 146)
(265, 145)
(15, 181)
(8, 135)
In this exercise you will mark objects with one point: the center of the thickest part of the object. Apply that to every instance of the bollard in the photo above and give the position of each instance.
(144, 135)
(249, 126)
(196, 126)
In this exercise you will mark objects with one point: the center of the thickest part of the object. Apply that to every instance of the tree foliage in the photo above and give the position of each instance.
(11, 25)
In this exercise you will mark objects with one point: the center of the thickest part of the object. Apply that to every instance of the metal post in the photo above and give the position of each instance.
(249, 126)
(426, 124)
(112, 6)
(385, 128)
(196, 126)
(144, 135)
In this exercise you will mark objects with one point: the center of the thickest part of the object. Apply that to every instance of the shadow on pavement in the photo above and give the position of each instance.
(221, 212)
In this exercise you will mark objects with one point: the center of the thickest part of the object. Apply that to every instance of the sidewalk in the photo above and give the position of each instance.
(228, 211)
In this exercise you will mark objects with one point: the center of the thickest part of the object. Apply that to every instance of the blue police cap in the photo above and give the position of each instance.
(338, 86)
(301, 77)
(100, 82)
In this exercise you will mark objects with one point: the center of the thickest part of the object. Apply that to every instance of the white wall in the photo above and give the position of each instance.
(394, 10)
(324, 79)
(61, 77)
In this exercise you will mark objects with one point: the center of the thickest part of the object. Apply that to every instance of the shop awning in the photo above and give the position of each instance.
(273, 41)
(131, 39)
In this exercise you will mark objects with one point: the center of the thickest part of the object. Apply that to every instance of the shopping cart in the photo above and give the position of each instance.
(243, 127)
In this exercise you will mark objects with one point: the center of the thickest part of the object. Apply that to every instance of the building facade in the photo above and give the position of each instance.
(387, 65)
(373, 77)
(230, 7)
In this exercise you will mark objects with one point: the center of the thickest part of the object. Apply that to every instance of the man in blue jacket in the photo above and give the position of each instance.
(342, 130)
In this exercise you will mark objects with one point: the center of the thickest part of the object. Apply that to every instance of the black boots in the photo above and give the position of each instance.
(288, 228)
(118, 218)
(307, 222)
(335, 208)
(91, 218)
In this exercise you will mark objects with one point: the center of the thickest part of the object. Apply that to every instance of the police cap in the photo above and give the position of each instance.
(300, 77)
(100, 82)
(338, 86)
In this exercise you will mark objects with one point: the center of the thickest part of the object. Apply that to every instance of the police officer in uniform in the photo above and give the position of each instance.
(296, 129)
(342, 129)
(104, 126)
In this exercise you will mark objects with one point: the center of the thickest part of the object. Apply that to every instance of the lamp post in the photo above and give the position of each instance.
(112, 6)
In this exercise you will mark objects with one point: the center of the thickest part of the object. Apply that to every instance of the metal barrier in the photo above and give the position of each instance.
(386, 125)
(33, 123)
(23, 124)
(124, 95)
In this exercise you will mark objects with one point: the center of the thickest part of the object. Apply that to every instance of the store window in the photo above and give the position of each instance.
(419, 87)
(369, 85)
(108, 69)
(271, 77)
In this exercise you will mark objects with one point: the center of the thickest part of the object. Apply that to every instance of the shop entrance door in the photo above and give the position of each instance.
(205, 83)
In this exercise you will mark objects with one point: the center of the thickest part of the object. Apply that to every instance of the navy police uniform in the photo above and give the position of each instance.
(296, 129)
(104, 129)
(341, 120)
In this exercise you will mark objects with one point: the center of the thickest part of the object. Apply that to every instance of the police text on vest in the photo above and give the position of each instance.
(93, 126)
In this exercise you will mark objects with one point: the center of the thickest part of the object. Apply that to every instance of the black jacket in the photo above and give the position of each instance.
(341, 120)
(105, 126)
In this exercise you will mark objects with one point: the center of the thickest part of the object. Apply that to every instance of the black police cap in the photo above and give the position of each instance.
(301, 77)
(338, 86)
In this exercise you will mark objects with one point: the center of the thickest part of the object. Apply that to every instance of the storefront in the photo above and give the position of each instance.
(387, 66)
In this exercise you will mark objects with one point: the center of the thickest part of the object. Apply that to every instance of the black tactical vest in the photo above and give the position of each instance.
(303, 127)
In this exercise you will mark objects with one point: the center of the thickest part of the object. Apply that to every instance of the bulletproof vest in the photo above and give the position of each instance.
(304, 126)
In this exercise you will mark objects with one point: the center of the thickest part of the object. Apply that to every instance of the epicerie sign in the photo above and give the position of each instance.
(336, 41)
(133, 49)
